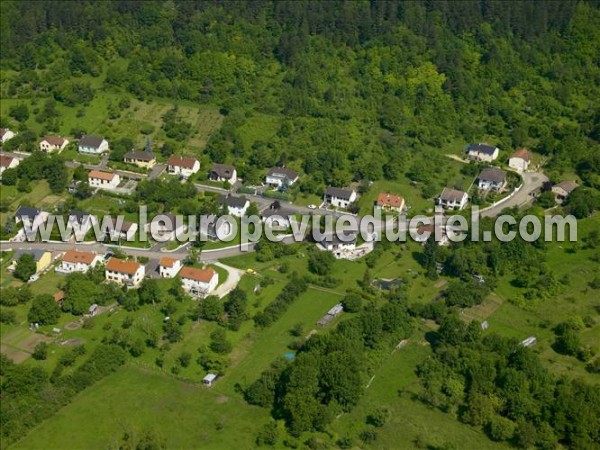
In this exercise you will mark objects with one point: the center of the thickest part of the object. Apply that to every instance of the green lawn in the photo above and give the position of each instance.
(135, 399)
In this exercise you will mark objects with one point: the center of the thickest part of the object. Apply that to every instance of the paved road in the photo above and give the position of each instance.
(532, 181)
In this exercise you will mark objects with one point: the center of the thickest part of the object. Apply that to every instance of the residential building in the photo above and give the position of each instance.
(168, 267)
(236, 206)
(103, 180)
(78, 261)
(491, 178)
(7, 162)
(127, 273)
(390, 202)
(166, 226)
(223, 172)
(6, 135)
(281, 176)
(275, 216)
(199, 282)
(42, 259)
(339, 198)
(482, 152)
(113, 230)
(453, 199)
(144, 159)
(32, 218)
(212, 228)
(183, 166)
(51, 144)
(81, 222)
(520, 160)
(338, 246)
(563, 189)
(93, 145)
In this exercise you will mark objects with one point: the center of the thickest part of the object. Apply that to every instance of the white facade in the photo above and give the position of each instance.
(199, 282)
(8, 162)
(483, 152)
(78, 262)
(6, 134)
(518, 163)
(104, 180)
(180, 167)
(93, 149)
(168, 267)
(49, 147)
(453, 199)
(127, 273)
(340, 198)
(238, 211)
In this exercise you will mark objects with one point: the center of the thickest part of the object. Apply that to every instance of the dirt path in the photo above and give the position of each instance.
(233, 278)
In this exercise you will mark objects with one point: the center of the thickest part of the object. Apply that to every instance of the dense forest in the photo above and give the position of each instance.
(362, 87)
(361, 91)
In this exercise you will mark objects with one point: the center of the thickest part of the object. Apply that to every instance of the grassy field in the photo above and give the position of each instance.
(185, 415)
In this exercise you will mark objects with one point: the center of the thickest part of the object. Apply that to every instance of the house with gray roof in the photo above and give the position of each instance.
(92, 145)
(491, 178)
(339, 197)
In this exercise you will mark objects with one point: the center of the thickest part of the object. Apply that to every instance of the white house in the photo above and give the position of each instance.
(127, 273)
(520, 160)
(81, 222)
(213, 228)
(183, 166)
(5, 135)
(51, 144)
(93, 145)
(113, 230)
(563, 189)
(339, 198)
(491, 178)
(482, 152)
(168, 267)
(166, 226)
(103, 180)
(76, 261)
(199, 282)
(31, 218)
(281, 176)
(7, 162)
(236, 206)
(334, 244)
(223, 172)
(453, 199)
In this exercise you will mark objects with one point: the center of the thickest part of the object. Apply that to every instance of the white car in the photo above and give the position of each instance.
(312, 206)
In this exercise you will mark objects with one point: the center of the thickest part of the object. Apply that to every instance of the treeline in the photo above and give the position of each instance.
(30, 396)
(330, 370)
(291, 291)
(494, 383)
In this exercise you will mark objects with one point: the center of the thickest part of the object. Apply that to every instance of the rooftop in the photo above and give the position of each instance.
(122, 266)
(391, 200)
(492, 174)
(182, 161)
(192, 273)
(90, 141)
(75, 256)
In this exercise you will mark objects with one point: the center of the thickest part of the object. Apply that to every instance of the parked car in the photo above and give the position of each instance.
(311, 206)
(108, 255)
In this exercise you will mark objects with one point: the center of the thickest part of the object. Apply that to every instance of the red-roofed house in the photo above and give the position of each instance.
(7, 162)
(50, 144)
(103, 180)
(390, 202)
(520, 160)
(6, 134)
(168, 267)
(183, 166)
(124, 272)
(76, 261)
(199, 282)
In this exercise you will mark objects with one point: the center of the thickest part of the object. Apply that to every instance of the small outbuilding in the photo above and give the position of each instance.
(209, 379)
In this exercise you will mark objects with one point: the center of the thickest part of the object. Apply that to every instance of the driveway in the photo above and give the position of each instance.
(233, 278)
(532, 181)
